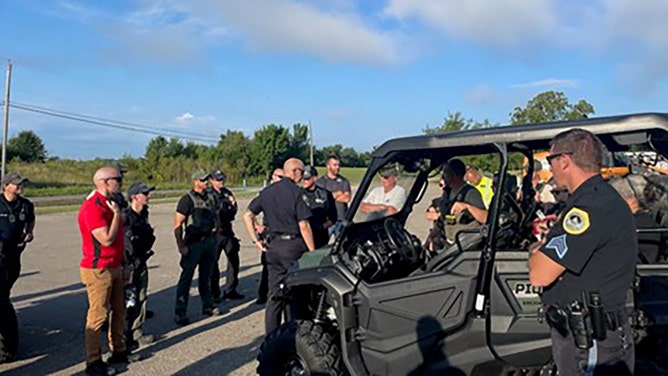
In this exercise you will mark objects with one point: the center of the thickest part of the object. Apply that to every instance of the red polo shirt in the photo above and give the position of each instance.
(93, 214)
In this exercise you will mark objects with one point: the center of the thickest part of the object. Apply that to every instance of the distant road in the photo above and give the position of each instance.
(74, 199)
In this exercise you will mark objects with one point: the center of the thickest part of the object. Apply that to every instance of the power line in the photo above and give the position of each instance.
(132, 127)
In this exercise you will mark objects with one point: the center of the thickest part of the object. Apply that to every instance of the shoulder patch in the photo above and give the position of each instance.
(576, 221)
(558, 243)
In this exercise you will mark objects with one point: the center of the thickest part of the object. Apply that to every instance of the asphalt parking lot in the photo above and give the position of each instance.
(51, 306)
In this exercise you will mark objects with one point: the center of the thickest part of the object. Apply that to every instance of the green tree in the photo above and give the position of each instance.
(457, 122)
(299, 146)
(235, 149)
(550, 106)
(155, 149)
(27, 147)
(270, 148)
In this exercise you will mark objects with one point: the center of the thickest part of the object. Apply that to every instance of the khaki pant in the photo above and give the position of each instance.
(105, 293)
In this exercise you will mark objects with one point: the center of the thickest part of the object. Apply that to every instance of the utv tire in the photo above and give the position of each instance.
(300, 348)
(9, 331)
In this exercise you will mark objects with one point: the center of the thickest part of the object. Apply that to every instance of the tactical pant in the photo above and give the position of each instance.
(136, 315)
(280, 255)
(263, 289)
(613, 356)
(200, 255)
(105, 292)
(228, 244)
(10, 269)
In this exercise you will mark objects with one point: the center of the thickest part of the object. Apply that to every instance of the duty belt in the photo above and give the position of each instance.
(285, 236)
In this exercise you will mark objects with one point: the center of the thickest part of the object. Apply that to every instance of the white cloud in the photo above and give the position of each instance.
(334, 33)
(551, 83)
(509, 23)
(188, 118)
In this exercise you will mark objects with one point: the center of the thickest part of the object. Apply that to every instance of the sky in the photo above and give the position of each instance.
(359, 71)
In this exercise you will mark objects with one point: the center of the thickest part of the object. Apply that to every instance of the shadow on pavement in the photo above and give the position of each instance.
(51, 329)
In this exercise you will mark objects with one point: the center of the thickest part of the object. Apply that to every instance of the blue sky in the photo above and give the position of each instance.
(361, 71)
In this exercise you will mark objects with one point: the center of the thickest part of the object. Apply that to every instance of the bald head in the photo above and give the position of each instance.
(107, 180)
(293, 168)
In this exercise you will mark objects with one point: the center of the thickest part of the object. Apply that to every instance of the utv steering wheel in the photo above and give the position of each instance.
(401, 240)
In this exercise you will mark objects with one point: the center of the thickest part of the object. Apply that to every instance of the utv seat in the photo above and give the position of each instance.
(469, 242)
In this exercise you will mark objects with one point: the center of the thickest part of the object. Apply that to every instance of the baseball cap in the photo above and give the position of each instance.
(218, 175)
(13, 178)
(309, 171)
(388, 171)
(199, 174)
(137, 188)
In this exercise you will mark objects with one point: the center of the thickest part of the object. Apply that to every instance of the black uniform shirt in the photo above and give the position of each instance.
(227, 208)
(139, 236)
(322, 207)
(284, 206)
(334, 185)
(594, 239)
(14, 216)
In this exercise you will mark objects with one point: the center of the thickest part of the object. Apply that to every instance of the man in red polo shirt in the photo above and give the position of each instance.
(101, 272)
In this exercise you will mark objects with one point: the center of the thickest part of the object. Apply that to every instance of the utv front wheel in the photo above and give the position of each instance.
(9, 331)
(300, 348)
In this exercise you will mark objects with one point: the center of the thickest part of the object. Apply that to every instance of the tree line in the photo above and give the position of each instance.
(254, 157)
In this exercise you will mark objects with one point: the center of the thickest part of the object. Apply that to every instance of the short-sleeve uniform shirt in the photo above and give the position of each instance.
(595, 240)
(14, 215)
(93, 214)
(284, 206)
(335, 185)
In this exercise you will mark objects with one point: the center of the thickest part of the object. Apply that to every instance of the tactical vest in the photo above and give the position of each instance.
(141, 234)
(451, 224)
(203, 216)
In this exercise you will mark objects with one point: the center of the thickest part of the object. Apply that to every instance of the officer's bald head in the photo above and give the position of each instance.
(107, 179)
(293, 168)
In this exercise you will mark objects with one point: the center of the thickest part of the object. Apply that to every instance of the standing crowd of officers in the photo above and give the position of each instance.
(117, 241)
(587, 255)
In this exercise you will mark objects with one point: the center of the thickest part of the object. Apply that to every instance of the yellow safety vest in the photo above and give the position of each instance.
(484, 186)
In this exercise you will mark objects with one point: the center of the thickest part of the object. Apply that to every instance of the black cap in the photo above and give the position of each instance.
(218, 175)
(13, 178)
(137, 188)
(309, 171)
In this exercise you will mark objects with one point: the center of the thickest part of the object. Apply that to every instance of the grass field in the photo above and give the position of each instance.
(70, 177)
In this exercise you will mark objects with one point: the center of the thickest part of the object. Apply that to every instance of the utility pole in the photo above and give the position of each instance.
(6, 124)
(310, 141)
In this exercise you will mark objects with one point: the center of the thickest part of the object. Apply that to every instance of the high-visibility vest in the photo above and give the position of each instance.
(484, 186)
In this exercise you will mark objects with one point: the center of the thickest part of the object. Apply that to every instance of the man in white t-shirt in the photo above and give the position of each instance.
(385, 200)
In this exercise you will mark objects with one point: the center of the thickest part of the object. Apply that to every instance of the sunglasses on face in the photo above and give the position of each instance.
(298, 170)
(554, 156)
(118, 179)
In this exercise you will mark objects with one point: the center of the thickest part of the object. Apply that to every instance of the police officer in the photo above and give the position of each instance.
(17, 222)
(139, 239)
(197, 245)
(586, 264)
(226, 241)
(262, 232)
(286, 213)
(323, 207)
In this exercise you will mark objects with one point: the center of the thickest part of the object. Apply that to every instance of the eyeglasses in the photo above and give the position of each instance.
(118, 179)
(554, 156)
(298, 170)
